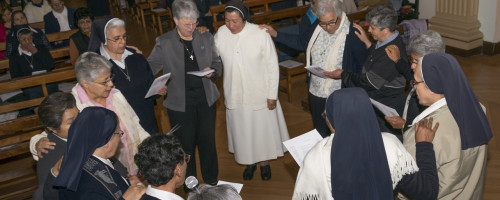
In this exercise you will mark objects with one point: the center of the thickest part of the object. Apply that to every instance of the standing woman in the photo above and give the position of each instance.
(131, 71)
(386, 69)
(191, 99)
(333, 45)
(256, 127)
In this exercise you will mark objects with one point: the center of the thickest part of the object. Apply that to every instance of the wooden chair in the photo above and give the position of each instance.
(158, 13)
(288, 74)
(144, 9)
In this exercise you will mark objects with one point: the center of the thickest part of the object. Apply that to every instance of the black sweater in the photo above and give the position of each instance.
(141, 78)
(423, 184)
(19, 66)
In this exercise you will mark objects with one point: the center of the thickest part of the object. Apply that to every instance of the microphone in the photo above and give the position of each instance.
(191, 183)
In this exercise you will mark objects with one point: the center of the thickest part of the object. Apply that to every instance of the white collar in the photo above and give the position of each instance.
(64, 139)
(120, 63)
(64, 13)
(436, 105)
(161, 194)
(21, 51)
(105, 161)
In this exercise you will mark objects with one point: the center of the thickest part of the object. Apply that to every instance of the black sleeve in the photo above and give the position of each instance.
(14, 69)
(43, 56)
(423, 184)
(49, 192)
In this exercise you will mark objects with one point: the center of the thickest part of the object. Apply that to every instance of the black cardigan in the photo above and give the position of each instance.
(19, 66)
(383, 79)
(135, 90)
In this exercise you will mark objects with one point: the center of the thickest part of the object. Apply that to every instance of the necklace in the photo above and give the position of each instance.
(190, 53)
(31, 63)
(126, 74)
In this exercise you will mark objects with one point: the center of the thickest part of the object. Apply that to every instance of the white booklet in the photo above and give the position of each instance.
(157, 84)
(388, 111)
(201, 73)
(290, 64)
(299, 146)
(316, 70)
(237, 186)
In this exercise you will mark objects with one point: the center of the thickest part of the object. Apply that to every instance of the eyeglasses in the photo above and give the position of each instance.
(414, 82)
(120, 133)
(108, 80)
(330, 23)
(190, 25)
(187, 158)
(117, 38)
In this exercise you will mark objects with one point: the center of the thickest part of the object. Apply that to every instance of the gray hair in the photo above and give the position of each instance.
(383, 17)
(185, 8)
(89, 66)
(326, 6)
(113, 23)
(218, 192)
(426, 42)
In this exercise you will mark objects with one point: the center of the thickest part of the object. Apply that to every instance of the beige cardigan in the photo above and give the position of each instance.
(127, 117)
(461, 172)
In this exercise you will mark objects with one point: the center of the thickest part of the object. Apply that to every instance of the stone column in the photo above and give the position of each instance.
(457, 22)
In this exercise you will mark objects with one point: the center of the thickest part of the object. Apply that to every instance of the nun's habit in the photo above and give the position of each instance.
(133, 75)
(358, 162)
(251, 77)
(12, 43)
(464, 131)
(83, 175)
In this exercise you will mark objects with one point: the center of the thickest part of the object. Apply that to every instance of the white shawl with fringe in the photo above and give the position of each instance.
(314, 178)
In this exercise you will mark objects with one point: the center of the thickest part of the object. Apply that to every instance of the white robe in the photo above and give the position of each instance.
(251, 76)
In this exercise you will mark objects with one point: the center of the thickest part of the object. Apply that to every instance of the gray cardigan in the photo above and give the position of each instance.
(168, 55)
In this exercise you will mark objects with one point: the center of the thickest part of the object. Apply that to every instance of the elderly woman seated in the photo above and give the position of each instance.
(359, 162)
(18, 21)
(424, 43)
(386, 66)
(56, 112)
(86, 171)
(95, 88)
(30, 59)
(461, 141)
(163, 163)
(333, 45)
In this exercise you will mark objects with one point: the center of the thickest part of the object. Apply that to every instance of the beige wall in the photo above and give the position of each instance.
(488, 16)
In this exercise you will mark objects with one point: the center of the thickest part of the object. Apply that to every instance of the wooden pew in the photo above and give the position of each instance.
(17, 168)
(257, 6)
(39, 25)
(60, 53)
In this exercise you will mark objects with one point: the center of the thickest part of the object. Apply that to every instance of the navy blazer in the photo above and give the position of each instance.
(52, 25)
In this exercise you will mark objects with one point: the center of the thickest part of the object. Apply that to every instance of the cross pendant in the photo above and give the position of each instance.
(191, 57)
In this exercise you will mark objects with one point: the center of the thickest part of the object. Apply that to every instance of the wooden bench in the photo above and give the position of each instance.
(38, 25)
(257, 6)
(18, 178)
